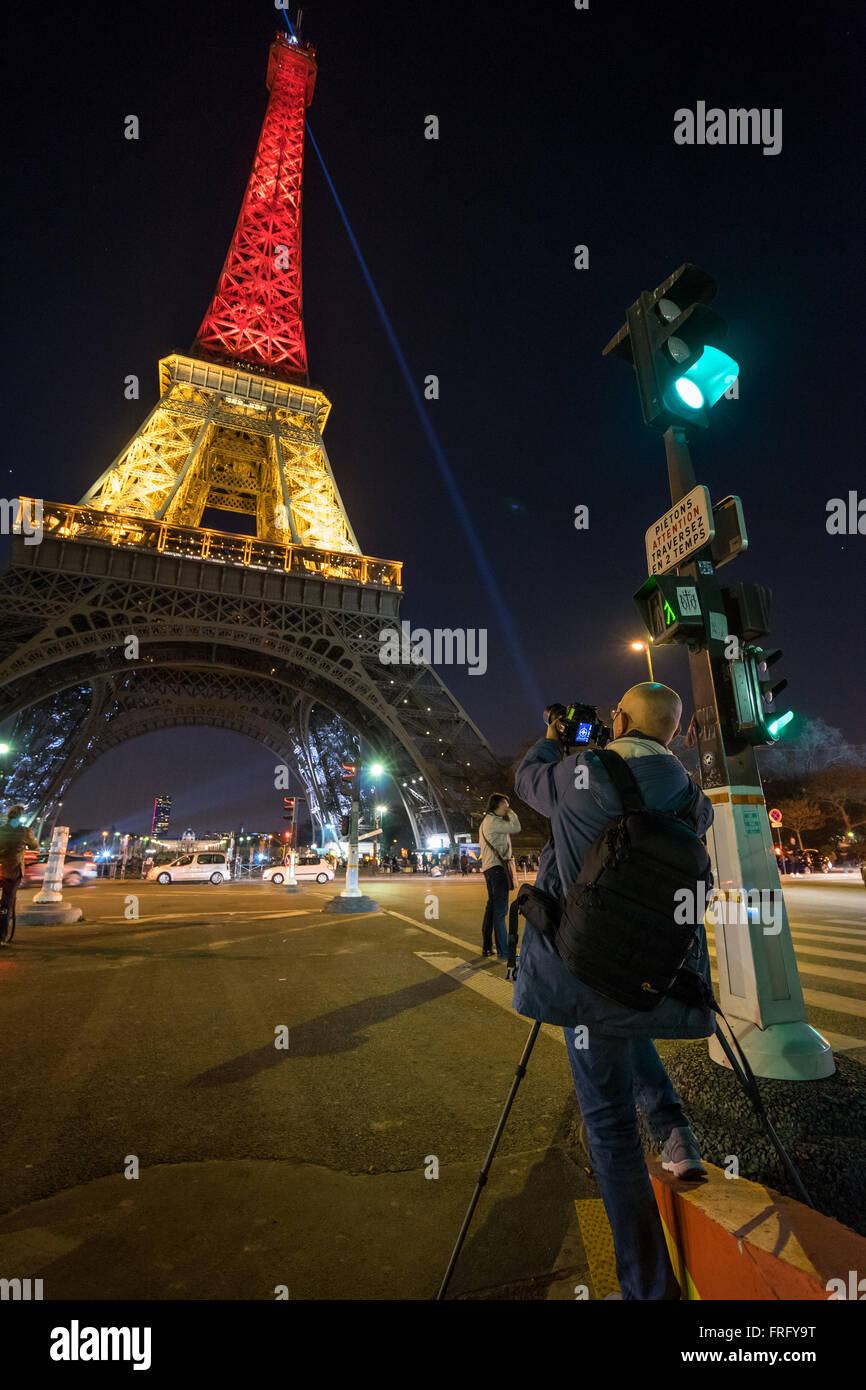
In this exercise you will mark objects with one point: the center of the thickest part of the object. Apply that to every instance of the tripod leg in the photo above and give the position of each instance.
(519, 1074)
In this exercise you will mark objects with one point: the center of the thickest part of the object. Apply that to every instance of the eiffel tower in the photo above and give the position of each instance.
(131, 616)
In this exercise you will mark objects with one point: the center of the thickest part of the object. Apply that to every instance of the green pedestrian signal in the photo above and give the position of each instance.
(671, 609)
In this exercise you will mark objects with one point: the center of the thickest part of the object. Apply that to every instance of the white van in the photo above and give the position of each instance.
(306, 866)
(210, 866)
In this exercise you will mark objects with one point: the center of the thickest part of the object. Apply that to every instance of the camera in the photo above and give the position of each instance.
(580, 725)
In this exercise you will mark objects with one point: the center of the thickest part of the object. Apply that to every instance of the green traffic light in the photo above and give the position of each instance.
(775, 728)
(707, 379)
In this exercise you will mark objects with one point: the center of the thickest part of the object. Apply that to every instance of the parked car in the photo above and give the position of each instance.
(210, 866)
(76, 869)
(307, 866)
(846, 864)
(817, 862)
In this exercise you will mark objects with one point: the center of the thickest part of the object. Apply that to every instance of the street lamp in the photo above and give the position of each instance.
(644, 647)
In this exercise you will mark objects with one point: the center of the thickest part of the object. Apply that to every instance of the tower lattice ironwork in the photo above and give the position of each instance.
(276, 634)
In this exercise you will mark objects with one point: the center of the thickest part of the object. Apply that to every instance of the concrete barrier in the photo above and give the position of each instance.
(732, 1239)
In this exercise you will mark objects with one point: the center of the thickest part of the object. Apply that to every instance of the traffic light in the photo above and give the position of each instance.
(345, 825)
(755, 691)
(675, 344)
(747, 607)
(671, 609)
(288, 808)
(348, 773)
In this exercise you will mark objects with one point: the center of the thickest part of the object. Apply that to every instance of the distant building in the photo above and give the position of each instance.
(161, 816)
(185, 846)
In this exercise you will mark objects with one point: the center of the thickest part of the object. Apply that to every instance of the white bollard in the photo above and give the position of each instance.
(52, 884)
(291, 881)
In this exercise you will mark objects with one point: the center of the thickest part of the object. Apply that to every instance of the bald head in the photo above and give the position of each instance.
(654, 709)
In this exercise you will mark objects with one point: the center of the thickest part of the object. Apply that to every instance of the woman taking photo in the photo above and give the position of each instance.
(494, 834)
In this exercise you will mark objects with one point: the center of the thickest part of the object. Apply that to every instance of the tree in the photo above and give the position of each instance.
(844, 789)
(801, 813)
(816, 746)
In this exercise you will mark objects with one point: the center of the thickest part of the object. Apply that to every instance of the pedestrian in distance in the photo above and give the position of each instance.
(464, 863)
(497, 864)
(15, 839)
(613, 1060)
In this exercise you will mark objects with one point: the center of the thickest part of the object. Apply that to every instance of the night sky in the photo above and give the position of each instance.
(556, 129)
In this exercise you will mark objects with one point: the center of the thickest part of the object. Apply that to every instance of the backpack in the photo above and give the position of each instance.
(618, 931)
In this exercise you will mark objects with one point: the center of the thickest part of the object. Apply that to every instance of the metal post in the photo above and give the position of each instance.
(759, 983)
(351, 889)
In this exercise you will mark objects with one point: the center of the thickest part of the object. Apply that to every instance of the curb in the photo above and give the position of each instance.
(731, 1239)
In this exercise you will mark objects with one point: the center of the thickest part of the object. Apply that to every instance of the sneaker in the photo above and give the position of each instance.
(682, 1156)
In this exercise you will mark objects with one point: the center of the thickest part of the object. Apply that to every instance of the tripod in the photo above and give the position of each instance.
(491, 1152)
(743, 1073)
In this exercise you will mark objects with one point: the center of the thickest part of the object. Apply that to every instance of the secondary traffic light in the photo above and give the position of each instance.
(675, 344)
(754, 692)
(748, 607)
(345, 825)
(671, 609)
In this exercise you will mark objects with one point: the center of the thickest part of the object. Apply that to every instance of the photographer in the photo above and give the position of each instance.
(617, 1066)
(15, 839)
(494, 834)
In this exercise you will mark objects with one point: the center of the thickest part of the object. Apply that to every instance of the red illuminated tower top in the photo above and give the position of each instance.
(256, 316)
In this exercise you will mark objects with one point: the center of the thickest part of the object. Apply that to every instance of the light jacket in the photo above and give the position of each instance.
(545, 988)
(498, 830)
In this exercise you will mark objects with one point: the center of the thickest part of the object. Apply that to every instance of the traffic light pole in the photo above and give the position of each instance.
(352, 899)
(759, 984)
(351, 889)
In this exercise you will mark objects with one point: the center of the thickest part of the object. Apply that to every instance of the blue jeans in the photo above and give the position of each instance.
(612, 1075)
(495, 911)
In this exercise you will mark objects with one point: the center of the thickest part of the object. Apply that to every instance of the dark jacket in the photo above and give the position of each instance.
(14, 840)
(545, 988)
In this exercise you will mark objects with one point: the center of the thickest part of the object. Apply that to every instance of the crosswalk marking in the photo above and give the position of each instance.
(840, 1042)
(835, 1003)
(827, 972)
(815, 949)
(839, 933)
(479, 979)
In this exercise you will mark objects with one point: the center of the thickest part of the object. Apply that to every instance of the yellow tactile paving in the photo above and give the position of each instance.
(598, 1244)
